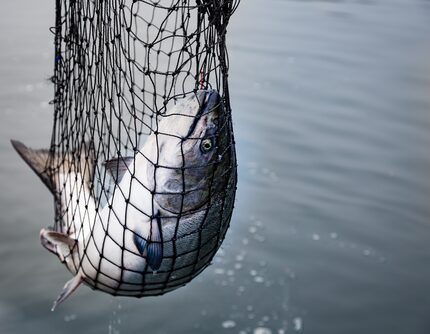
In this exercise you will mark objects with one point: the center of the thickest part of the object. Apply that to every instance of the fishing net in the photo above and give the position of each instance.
(120, 67)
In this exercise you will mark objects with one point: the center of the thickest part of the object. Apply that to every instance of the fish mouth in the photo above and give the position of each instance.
(209, 101)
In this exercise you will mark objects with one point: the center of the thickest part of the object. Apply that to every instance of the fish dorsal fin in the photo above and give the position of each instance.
(117, 167)
(37, 160)
(68, 289)
(58, 243)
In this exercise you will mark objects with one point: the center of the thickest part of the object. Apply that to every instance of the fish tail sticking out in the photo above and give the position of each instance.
(42, 162)
(69, 179)
(37, 160)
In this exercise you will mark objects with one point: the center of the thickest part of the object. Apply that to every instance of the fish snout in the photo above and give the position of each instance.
(201, 97)
(209, 100)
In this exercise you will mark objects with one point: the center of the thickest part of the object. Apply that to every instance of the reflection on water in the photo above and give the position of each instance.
(330, 232)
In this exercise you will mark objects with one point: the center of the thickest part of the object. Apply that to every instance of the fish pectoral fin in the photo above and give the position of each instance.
(57, 243)
(155, 245)
(152, 247)
(117, 167)
(68, 289)
(140, 243)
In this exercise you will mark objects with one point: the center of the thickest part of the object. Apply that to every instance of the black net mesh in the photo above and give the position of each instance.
(142, 157)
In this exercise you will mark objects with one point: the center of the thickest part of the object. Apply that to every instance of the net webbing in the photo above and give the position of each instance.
(121, 66)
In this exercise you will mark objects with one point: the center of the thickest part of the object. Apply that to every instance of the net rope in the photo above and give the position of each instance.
(121, 66)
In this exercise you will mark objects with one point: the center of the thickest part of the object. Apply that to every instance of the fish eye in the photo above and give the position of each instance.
(206, 145)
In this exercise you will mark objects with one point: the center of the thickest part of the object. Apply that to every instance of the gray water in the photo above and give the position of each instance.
(331, 229)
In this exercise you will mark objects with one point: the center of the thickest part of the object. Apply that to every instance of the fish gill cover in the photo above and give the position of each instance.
(142, 161)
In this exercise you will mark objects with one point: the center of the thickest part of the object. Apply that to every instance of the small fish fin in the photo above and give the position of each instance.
(140, 243)
(68, 289)
(58, 243)
(37, 160)
(155, 245)
(117, 167)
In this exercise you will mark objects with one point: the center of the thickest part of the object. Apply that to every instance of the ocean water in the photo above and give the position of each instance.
(331, 230)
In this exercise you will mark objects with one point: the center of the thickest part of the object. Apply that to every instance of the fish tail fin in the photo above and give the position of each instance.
(46, 164)
(37, 160)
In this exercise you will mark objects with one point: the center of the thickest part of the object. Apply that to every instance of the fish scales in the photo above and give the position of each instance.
(167, 215)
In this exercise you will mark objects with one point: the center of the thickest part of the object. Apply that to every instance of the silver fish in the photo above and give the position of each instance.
(168, 213)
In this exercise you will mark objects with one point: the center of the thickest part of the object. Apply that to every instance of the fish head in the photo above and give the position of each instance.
(194, 154)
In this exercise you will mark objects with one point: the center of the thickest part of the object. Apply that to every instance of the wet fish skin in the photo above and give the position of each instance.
(184, 221)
